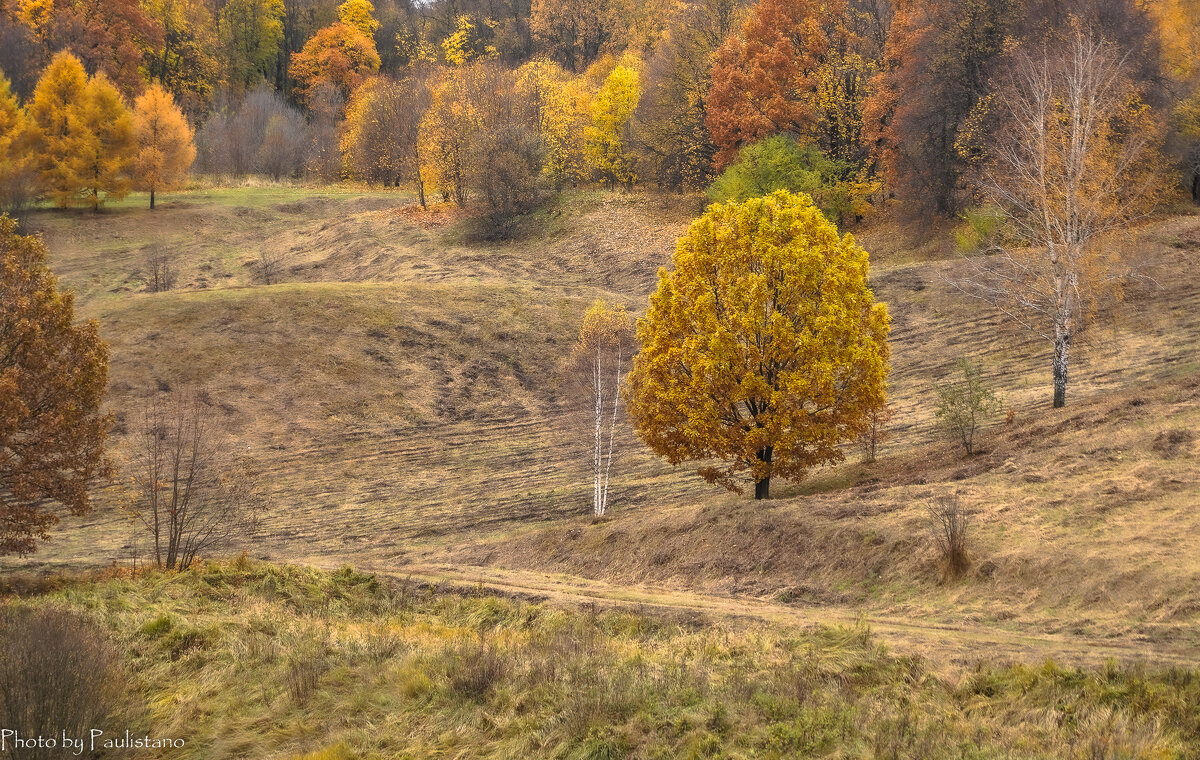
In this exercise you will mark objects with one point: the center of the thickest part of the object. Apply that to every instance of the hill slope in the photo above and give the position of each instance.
(401, 385)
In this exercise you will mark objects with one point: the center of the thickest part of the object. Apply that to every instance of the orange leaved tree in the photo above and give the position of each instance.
(764, 348)
(765, 79)
(53, 374)
(339, 54)
(164, 139)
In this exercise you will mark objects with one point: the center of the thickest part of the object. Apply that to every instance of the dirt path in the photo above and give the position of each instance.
(946, 647)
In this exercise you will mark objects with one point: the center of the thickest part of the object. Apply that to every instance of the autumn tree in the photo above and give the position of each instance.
(187, 64)
(83, 135)
(608, 143)
(448, 133)
(508, 151)
(670, 123)
(381, 139)
(1075, 158)
(765, 78)
(16, 169)
(359, 14)
(53, 374)
(340, 55)
(250, 34)
(572, 31)
(764, 348)
(164, 140)
(938, 61)
(598, 363)
(109, 36)
(561, 110)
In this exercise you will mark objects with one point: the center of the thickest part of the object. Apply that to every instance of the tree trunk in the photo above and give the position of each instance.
(1196, 187)
(762, 488)
(1062, 356)
(151, 199)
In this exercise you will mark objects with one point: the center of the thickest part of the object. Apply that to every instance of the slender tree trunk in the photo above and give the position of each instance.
(1196, 187)
(151, 199)
(598, 389)
(1062, 357)
(762, 488)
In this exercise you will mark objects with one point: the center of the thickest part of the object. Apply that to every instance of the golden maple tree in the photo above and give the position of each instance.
(53, 375)
(763, 348)
(164, 140)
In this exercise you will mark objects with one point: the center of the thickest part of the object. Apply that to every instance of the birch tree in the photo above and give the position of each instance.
(604, 341)
(1074, 160)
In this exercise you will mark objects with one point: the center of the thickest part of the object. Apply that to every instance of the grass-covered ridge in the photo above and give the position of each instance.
(253, 660)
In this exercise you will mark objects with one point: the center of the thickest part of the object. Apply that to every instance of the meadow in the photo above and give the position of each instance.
(399, 376)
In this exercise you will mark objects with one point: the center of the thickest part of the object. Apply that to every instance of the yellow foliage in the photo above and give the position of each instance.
(359, 14)
(1179, 28)
(763, 348)
(447, 132)
(607, 138)
(14, 148)
(562, 106)
(465, 43)
(83, 135)
(164, 139)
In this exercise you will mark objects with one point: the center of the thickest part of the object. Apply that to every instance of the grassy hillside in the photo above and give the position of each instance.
(256, 661)
(400, 380)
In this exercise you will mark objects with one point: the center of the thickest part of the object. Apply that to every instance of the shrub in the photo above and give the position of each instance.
(161, 273)
(58, 674)
(964, 404)
(476, 669)
(781, 163)
(980, 230)
(304, 671)
(950, 524)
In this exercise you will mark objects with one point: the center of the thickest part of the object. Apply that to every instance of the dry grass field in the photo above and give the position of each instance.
(400, 381)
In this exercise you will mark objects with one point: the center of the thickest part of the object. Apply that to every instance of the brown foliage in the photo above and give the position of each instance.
(764, 81)
(53, 375)
(109, 36)
(937, 62)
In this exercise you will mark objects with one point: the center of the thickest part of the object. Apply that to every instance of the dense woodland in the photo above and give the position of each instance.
(500, 101)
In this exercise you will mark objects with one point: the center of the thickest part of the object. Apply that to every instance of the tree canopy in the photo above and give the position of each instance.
(763, 348)
(53, 375)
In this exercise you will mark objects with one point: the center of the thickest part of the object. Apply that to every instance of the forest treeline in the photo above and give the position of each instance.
(853, 101)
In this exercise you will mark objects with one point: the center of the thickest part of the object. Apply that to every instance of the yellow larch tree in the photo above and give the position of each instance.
(763, 349)
(16, 171)
(82, 135)
(109, 148)
(164, 141)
